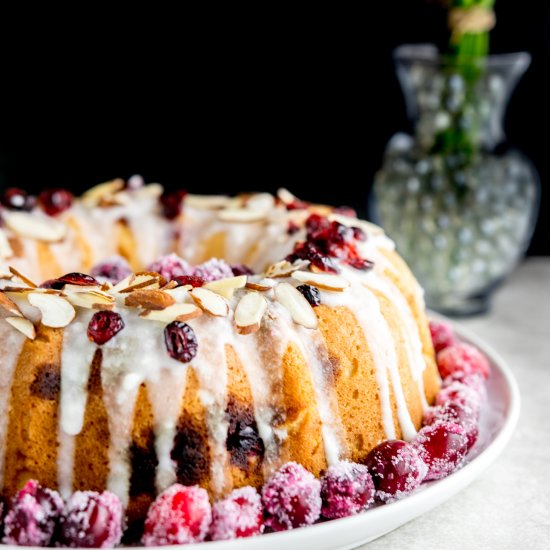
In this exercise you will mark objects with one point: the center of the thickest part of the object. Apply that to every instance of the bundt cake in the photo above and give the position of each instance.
(213, 340)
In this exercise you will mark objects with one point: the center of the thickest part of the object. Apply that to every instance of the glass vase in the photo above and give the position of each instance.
(460, 204)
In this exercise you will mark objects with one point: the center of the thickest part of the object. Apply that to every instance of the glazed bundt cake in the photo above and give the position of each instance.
(299, 334)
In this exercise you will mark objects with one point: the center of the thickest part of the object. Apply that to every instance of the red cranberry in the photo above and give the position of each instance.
(292, 228)
(396, 469)
(442, 446)
(291, 498)
(443, 335)
(456, 413)
(239, 515)
(359, 234)
(462, 358)
(113, 269)
(17, 199)
(474, 381)
(172, 203)
(311, 294)
(55, 201)
(360, 263)
(192, 280)
(33, 516)
(179, 515)
(346, 489)
(171, 266)
(461, 394)
(241, 269)
(213, 269)
(297, 204)
(103, 326)
(91, 520)
(180, 341)
(308, 251)
(79, 279)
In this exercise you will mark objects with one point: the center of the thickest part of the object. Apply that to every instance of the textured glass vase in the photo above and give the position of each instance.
(461, 212)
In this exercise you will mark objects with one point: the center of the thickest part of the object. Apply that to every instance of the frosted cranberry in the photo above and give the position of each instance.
(461, 394)
(33, 516)
(241, 269)
(180, 341)
(462, 358)
(172, 203)
(442, 446)
(443, 335)
(55, 201)
(311, 294)
(179, 515)
(192, 280)
(474, 381)
(308, 251)
(91, 520)
(291, 498)
(346, 489)
(458, 414)
(239, 515)
(17, 199)
(213, 270)
(396, 469)
(171, 266)
(103, 326)
(113, 269)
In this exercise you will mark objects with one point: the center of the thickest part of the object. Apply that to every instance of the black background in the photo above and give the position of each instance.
(237, 99)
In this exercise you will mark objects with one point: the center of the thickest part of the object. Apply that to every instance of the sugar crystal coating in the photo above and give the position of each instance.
(171, 266)
(213, 269)
(443, 335)
(462, 358)
(113, 269)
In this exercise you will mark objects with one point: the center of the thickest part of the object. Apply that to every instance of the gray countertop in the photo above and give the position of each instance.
(508, 506)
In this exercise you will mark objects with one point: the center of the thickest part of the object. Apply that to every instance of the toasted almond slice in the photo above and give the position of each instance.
(139, 282)
(210, 301)
(170, 285)
(249, 313)
(260, 202)
(149, 299)
(299, 308)
(35, 226)
(226, 287)
(284, 268)
(6, 251)
(22, 277)
(9, 307)
(285, 196)
(261, 285)
(241, 215)
(325, 281)
(206, 202)
(90, 299)
(22, 325)
(175, 312)
(103, 191)
(56, 311)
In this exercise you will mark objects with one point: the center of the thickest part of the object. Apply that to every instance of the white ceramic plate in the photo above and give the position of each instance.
(497, 422)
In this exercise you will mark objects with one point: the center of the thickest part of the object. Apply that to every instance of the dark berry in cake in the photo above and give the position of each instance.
(171, 203)
(311, 294)
(103, 326)
(241, 269)
(113, 269)
(181, 341)
(17, 199)
(319, 260)
(462, 358)
(346, 489)
(55, 201)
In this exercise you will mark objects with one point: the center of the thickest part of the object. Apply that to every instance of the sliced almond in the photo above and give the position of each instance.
(56, 311)
(139, 281)
(6, 251)
(285, 196)
(22, 277)
(325, 281)
(299, 308)
(90, 299)
(34, 226)
(210, 301)
(103, 191)
(22, 325)
(262, 285)
(207, 202)
(226, 287)
(241, 215)
(284, 268)
(261, 202)
(149, 299)
(175, 312)
(249, 313)
(9, 307)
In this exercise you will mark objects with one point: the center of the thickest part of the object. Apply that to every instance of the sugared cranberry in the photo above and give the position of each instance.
(241, 269)
(91, 520)
(17, 199)
(171, 266)
(462, 358)
(33, 516)
(237, 516)
(181, 341)
(474, 381)
(457, 414)
(442, 446)
(192, 280)
(346, 489)
(179, 515)
(291, 498)
(112, 269)
(396, 469)
(443, 335)
(213, 269)
(55, 201)
(311, 294)
(461, 394)
(172, 203)
(103, 326)
(308, 251)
